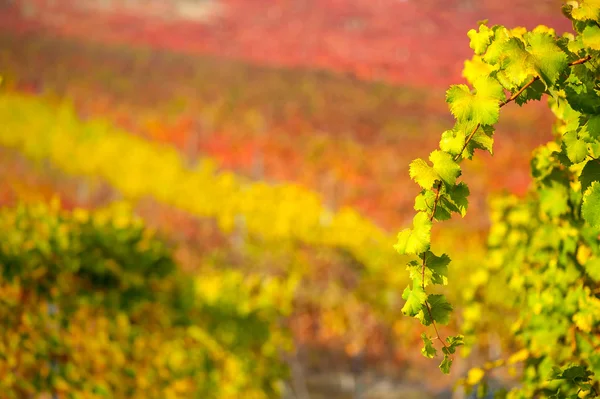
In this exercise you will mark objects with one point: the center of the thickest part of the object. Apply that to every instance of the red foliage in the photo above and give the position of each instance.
(421, 43)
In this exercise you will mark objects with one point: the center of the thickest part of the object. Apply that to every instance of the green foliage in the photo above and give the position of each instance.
(93, 306)
(415, 240)
(544, 249)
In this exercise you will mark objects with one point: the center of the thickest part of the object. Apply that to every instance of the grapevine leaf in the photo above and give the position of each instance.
(495, 49)
(589, 174)
(583, 99)
(438, 312)
(453, 140)
(543, 161)
(415, 299)
(424, 203)
(452, 342)
(446, 364)
(476, 67)
(423, 174)
(428, 350)
(458, 196)
(592, 267)
(415, 240)
(590, 209)
(438, 266)
(483, 106)
(416, 273)
(586, 10)
(593, 126)
(453, 199)
(447, 169)
(553, 200)
(516, 64)
(548, 59)
(576, 148)
(591, 37)
(480, 40)
(573, 374)
(482, 139)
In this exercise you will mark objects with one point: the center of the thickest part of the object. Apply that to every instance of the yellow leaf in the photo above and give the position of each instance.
(475, 375)
(519, 356)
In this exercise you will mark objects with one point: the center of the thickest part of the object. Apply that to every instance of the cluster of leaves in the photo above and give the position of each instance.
(93, 306)
(544, 248)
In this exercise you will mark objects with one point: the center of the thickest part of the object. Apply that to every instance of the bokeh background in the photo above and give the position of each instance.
(266, 144)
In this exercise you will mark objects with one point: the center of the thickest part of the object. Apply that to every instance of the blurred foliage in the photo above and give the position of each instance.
(270, 212)
(343, 138)
(92, 306)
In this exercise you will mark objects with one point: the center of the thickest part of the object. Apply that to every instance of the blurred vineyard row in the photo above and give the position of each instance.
(404, 42)
(344, 139)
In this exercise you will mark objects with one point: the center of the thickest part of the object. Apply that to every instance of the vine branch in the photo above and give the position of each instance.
(437, 334)
(438, 187)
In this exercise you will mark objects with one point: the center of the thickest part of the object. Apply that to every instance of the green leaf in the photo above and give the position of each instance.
(585, 101)
(458, 196)
(593, 126)
(591, 37)
(483, 106)
(446, 364)
(453, 140)
(453, 199)
(423, 174)
(574, 374)
(416, 273)
(452, 342)
(424, 203)
(438, 266)
(543, 161)
(586, 10)
(590, 209)
(447, 169)
(581, 94)
(495, 49)
(554, 199)
(547, 58)
(428, 350)
(592, 268)
(589, 174)
(576, 148)
(516, 64)
(415, 300)
(415, 240)
(480, 40)
(439, 310)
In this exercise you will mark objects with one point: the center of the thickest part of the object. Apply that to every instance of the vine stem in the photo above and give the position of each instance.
(581, 60)
(438, 187)
(437, 334)
(518, 93)
(435, 202)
